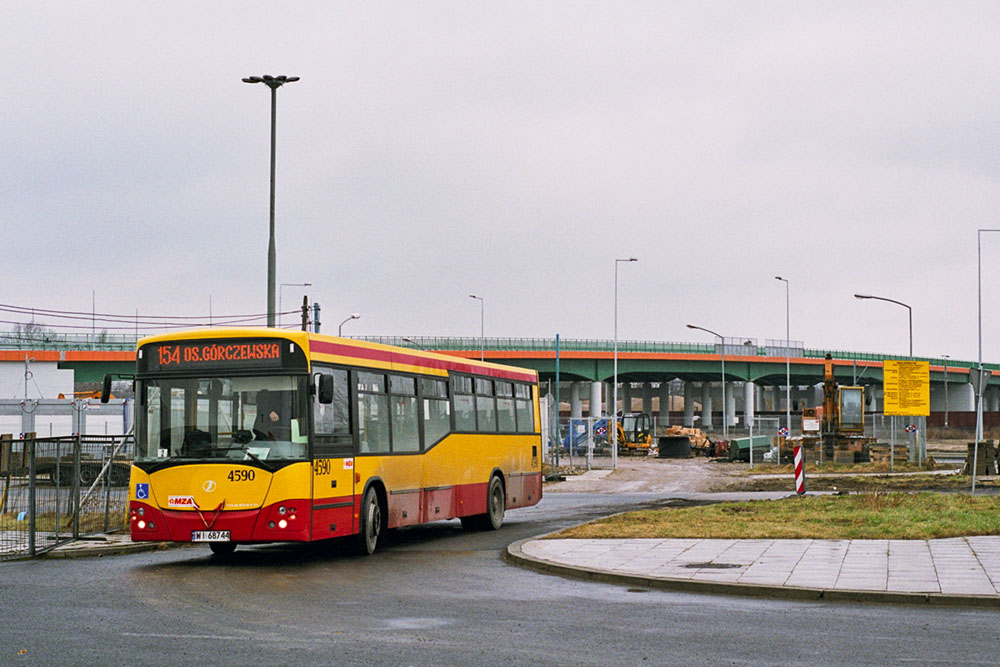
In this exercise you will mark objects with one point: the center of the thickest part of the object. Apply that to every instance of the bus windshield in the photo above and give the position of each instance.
(222, 418)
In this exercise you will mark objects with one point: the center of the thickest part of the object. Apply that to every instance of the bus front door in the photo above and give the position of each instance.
(333, 498)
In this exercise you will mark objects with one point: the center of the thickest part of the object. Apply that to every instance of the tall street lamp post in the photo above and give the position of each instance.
(979, 384)
(788, 362)
(340, 327)
(272, 82)
(482, 330)
(614, 383)
(892, 446)
(281, 289)
(946, 357)
(722, 355)
(898, 303)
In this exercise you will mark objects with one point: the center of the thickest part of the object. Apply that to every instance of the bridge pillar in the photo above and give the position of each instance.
(730, 407)
(647, 398)
(595, 399)
(665, 403)
(625, 393)
(688, 404)
(706, 406)
(994, 397)
(575, 404)
(749, 401)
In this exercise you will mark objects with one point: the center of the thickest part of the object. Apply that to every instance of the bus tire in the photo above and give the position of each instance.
(222, 549)
(371, 533)
(496, 503)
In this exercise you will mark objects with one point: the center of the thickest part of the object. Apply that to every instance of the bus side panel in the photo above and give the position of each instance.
(471, 499)
(404, 508)
(401, 477)
(439, 503)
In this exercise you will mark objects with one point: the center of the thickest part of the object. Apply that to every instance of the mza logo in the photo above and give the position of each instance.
(348, 464)
(180, 501)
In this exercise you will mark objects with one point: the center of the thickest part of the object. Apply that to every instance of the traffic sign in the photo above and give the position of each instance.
(911, 428)
(783, 432)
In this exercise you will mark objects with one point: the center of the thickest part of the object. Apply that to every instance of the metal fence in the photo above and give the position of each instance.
(56, 490)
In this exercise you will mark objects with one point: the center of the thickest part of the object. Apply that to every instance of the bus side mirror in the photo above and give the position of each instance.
(106, 388)
(325, 388)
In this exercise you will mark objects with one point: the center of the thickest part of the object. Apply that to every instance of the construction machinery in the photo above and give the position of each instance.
(835, 432)
(635, 433)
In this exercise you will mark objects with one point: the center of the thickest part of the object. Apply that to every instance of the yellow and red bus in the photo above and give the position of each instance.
(261, 435)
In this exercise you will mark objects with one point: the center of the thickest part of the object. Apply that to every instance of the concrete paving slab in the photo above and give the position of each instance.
(951, 571)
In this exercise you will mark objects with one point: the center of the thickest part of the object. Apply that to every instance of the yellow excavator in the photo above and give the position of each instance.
(635, 433)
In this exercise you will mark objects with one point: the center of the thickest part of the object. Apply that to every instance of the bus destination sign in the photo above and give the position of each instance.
(217, 354)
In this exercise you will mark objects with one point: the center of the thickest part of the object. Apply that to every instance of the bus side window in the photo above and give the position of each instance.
(332, 433)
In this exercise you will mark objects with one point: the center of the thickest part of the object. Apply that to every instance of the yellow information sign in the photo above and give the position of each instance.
(907, 387)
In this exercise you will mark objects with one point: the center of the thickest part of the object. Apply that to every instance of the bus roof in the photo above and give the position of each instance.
(352, 352)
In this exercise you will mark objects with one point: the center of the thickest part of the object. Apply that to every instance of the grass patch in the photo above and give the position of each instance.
(872, 515)
(908, 483)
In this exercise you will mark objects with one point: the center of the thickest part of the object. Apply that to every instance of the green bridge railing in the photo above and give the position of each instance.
(112, 342)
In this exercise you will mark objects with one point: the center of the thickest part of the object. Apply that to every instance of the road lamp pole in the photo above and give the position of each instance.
(614, 383)
(898, 303)
(722, 355)
(979, 384)
(272, 82)
(482, 330)
(281, 288)
(340, 327)
(945, 357)
(892, 446)
(788, 362)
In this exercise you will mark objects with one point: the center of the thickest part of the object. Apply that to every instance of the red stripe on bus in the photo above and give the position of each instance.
(388, 356)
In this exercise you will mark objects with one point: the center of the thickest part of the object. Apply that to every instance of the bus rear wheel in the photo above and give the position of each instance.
(371, 534)
(496, 502)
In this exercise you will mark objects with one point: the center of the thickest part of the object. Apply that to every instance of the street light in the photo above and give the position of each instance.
(272, 82)
(722, 354)
(281, 287)
(788, 363)
(892, 445)
(614, 383)
(898, 303)
(945, 356)
(482, 339)
(413, 343)
(340, 327)
(979, 384)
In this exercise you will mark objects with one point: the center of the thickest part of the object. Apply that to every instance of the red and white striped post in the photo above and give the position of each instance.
(800, 473)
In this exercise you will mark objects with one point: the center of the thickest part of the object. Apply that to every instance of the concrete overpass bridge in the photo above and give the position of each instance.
(653, 375)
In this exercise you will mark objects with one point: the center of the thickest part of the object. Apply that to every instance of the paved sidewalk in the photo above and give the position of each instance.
(950, 571)
(103, 545)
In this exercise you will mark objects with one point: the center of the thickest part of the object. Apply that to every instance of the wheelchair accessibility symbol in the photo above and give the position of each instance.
(142, 491)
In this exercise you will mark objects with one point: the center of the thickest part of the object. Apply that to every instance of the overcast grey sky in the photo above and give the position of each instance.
(513, 150)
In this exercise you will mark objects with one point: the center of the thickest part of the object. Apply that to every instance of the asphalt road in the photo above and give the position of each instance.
(438, 596)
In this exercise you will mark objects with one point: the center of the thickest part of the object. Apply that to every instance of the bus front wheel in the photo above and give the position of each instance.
(222, 549)
(371, 523)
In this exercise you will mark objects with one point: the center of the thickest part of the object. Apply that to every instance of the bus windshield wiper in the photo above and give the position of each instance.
(246, 450)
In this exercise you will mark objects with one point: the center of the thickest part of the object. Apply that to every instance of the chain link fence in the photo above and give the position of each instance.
(56, 490)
